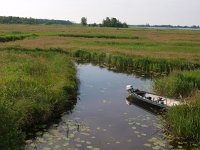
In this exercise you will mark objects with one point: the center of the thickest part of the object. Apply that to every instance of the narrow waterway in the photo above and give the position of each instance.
(102, 119)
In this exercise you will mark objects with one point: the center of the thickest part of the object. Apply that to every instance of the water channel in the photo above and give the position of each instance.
(102, 119)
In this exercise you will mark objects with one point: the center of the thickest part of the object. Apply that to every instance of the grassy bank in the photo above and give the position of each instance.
(33, 88)
(144, 64)
(182, 121)
(179, 84)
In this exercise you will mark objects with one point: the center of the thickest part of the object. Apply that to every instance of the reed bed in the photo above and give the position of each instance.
(34, 87)
(179, 84)
(145, 64)
(184, 121)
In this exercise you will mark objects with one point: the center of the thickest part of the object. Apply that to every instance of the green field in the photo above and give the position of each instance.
(37, 72)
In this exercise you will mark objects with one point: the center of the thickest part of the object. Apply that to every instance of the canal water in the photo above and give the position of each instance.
(102, 118)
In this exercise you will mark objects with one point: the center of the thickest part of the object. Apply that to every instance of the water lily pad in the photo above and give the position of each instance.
(41, 140)
(156, 147)
(86, 134)
(33, 145)
(29, 141)
(46, 148)
(56, 146)
(144, 126)
(71, 136)
(78, 145)
(136, 132)
(88, 142)
(117, 142)
(147, 145)
(134, 128)
(39, 133)
(144, 134)
(180, 147)
(89, 147)
(82, 141)
(65, 144)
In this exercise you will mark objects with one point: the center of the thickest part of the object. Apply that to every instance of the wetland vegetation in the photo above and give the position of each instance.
(38, 76)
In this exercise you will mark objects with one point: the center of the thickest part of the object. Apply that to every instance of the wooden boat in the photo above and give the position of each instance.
(151, 98)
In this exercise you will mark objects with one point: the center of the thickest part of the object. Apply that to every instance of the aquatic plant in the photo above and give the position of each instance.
(184, 121)
(145, 64)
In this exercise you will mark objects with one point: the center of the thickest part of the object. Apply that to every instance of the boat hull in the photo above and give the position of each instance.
(134, 98)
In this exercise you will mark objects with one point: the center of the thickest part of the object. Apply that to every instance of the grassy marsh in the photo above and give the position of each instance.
(34, 87)
(148, 50)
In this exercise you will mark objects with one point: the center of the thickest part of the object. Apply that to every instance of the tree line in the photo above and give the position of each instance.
(108, 22)
(21, 20)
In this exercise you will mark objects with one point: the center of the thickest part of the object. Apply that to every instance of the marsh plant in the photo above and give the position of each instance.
(33, 88)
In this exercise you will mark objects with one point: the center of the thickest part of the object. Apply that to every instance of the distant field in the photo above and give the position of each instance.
(153, 43)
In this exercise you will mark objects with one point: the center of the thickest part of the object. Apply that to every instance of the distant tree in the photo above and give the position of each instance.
(93, 25)
(125, 25)
(113, 22)
(106, 22)
(83, 21)
(21, 20)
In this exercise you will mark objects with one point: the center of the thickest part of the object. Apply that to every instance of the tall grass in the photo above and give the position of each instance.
(178, 84)
(145, 64)
(10, 136)
(184, 120)
(34, 87)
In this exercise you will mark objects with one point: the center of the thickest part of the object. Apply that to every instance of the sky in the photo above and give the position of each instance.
(174, 12)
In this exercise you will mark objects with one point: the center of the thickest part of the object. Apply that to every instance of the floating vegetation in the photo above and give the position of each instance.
(70, 133)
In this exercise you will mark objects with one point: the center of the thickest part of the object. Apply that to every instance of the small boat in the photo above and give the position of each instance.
(151, 98)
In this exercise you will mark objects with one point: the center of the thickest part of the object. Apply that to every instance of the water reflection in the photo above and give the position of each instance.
(130, 100)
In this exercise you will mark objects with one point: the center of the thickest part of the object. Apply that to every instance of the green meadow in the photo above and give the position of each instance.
(38, 75)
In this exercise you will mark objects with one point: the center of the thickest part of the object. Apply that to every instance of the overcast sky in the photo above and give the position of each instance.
(175, 12)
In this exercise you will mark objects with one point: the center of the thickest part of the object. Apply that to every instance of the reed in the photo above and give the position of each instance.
(10, 136)
(184, 121)
(179, 84)
(34, 87)
(145, 64)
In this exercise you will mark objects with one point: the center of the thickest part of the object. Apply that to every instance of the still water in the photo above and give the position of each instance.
(102, 119)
